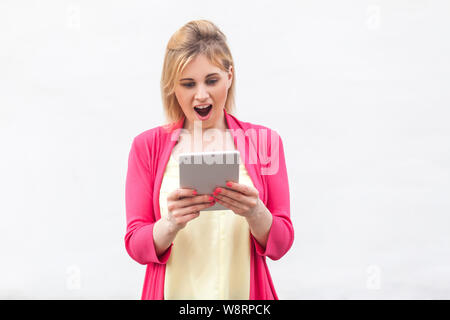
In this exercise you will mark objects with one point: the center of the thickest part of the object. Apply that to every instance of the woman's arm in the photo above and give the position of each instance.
(270, 225)
(146, 240)
(163, 236)
(281, 233)
(260, 224)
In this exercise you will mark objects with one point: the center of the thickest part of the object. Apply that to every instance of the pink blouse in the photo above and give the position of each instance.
(262, 153)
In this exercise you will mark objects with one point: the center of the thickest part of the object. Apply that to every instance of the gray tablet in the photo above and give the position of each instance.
(204, 171)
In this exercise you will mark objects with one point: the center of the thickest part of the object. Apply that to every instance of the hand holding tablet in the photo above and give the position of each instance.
(184, 205)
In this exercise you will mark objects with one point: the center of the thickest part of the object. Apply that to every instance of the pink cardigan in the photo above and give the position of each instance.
(148, 157)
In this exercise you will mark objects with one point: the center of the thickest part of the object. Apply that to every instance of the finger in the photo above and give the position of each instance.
(175, 205)
(190, 210)
(188, 217)
(231, 203)
(226, 203)
(229, 193)
(234, 195)
(205, 198)
(180, 193)
(242, 188)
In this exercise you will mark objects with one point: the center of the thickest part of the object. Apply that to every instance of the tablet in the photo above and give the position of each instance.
(204, 171)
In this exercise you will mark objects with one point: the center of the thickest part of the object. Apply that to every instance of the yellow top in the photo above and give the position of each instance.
(210, 257)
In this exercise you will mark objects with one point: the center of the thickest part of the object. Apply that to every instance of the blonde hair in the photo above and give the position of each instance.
(194, 38)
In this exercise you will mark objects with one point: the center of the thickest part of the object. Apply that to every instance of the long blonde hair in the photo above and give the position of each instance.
(194, 38)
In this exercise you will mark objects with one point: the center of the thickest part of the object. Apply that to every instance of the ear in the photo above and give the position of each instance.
(230, 77)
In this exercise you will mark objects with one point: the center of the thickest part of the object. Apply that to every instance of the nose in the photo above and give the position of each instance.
(201, 93)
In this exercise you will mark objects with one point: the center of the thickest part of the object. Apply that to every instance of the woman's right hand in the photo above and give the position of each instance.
(184, 205)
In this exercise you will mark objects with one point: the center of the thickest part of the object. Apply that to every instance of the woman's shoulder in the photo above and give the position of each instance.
(147, 136)
(149, 143)
(258, 129)
(154, 135)
(246, 125)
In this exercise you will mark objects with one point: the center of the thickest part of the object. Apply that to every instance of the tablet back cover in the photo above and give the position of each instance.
(204, 171)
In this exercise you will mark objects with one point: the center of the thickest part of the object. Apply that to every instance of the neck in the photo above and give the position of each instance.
(220, 125)
(198, 138)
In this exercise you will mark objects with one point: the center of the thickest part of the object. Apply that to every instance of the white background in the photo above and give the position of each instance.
(358, 91)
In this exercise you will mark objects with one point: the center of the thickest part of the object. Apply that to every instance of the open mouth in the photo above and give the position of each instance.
(203, 112)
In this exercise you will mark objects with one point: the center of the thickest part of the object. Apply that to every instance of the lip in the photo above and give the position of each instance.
(209, 114)
(202, 104)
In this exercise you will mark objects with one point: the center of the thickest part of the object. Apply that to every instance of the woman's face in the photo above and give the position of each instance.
(202, 83)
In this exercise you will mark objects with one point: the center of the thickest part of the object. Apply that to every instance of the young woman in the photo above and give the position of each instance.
(190, 253)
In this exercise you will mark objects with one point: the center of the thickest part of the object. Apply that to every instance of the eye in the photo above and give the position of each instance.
(191, 84)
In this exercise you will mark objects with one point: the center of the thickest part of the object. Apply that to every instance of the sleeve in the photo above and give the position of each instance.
(281, 233)
(139, 207)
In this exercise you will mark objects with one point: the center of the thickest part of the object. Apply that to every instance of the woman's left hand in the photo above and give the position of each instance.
(241, 199)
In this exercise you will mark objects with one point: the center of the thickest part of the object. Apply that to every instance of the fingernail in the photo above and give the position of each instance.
(217, 191)
(229, 184)
(211, 198)
(194, 192)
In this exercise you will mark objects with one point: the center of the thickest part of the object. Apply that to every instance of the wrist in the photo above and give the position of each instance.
(260, 223)
(257, 212)
(170, 227)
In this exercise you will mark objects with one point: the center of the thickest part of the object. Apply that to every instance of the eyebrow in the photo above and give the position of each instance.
(211, 74)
